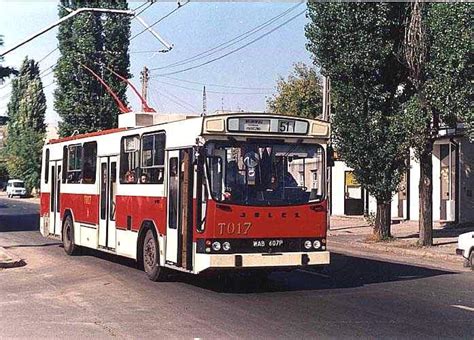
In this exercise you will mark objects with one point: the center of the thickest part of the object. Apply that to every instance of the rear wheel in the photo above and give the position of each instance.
(68, 237)
(471, 260)
(151, 258)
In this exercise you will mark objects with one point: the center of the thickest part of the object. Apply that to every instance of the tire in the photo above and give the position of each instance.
(471, 259)
(68, 237)
(151, 258)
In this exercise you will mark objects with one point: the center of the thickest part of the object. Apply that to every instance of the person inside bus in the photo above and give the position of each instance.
(130, 176)
(144, 178)
(234, 182)
(88, 173)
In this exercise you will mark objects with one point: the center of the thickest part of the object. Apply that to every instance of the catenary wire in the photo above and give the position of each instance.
(232, 51)
(159, 20)
(215, 85)
(231, 42)
(210, 91)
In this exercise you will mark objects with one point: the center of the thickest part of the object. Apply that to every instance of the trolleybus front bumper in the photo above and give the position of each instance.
(294, 259)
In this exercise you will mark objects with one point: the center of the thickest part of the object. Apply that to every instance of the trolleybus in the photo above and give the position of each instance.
(230, 191)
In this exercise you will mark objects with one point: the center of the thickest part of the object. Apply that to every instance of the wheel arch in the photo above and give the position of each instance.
(67, 212)
(145, 226)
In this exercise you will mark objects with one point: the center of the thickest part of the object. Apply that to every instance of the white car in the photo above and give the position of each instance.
(15, 187)
(466, 248)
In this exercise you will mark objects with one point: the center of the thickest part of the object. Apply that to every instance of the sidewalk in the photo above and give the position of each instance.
(354, 233)
(36, 200)
(8, 260)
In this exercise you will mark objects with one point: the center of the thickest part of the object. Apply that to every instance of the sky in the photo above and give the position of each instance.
(241, 80)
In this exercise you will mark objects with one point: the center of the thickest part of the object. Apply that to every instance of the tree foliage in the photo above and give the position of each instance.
(5, 71)
(26, 127)
(440, 60)
(357, 45)
(97, 41)
(299, 95)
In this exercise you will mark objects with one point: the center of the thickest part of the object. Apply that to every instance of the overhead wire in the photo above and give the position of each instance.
(215, 85)
(178, 101)
(159, 20)
(230, 42)
(210, 91)
(39, 61)
(232, 51)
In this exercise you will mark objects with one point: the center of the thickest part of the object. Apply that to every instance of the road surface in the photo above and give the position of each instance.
(96, 295)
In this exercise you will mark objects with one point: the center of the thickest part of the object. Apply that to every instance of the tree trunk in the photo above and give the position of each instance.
(383, 220)
(425, 222)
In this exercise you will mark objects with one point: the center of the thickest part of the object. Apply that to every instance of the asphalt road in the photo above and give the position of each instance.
(96, 295)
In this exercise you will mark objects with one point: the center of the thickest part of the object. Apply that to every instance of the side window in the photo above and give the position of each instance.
(129, 163)
(74, 164)
(89, 162)
(46, 166)
(153, 158)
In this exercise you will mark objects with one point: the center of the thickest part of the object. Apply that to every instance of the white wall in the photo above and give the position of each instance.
(467, 177)
(337, 180)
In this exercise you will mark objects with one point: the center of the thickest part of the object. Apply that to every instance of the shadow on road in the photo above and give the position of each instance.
(13, 222)
(18, 216)
(343, 272)
(33, 245)
(445, 232)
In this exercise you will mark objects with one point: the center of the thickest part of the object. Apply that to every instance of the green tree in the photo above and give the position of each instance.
(26, 127)
(97, 41)
(5, 71)
(438, 51)
(299, 95)
(357, 45)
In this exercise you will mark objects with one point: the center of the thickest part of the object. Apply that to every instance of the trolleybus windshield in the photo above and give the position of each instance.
(263, 173)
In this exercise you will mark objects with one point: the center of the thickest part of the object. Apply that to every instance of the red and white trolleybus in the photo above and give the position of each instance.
(229, 191)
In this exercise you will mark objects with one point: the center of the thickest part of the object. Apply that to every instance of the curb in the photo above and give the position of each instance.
(9, 261)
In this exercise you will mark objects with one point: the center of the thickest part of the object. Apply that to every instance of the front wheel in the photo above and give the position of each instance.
(68, 237)
(151, 258)
(471, 260)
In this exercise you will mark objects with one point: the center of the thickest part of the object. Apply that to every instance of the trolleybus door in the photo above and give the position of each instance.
(172, 228)
(108, 189)
(55, 224)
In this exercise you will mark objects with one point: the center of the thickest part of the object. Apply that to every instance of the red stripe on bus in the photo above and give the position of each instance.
(86, 135)
(84, 207)
(44, 203)
(140, 209)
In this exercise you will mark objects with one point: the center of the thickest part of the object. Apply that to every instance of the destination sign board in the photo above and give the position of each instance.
(267, 125)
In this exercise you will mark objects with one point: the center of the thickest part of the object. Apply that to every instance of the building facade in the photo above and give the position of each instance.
(453, 185)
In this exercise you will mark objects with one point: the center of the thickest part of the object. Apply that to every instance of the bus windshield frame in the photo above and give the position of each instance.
(265, 173)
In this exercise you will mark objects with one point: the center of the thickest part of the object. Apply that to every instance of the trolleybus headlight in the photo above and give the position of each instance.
(307, 244)
(216, 246)
(316, 244)
(226, 246)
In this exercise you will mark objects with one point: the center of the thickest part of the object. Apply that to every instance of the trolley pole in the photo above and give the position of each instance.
(145, 76)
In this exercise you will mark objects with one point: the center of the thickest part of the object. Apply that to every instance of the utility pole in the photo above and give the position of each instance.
(144, 76)
(326, 98)
(204, 102)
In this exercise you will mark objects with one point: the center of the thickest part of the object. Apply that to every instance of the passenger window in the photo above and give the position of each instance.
(74, 162)
(89, 163)
(153, 158)
(129, 163)
(46, 166)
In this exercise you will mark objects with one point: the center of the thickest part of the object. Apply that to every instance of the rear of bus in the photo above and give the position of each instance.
(265, 200)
